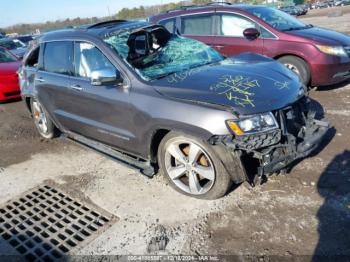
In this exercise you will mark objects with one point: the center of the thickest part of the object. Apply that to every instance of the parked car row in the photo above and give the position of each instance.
(12, 51)
(342, 2)
(16, 45)
(9, 65)
(295, 10)
(329, 3)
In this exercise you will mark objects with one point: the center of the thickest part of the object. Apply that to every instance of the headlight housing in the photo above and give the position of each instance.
(332, 50)
(252, 124)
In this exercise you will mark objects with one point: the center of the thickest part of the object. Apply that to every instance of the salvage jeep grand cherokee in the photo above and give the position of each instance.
(153, 99)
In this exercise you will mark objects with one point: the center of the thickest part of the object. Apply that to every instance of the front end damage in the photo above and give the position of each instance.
(265, 153)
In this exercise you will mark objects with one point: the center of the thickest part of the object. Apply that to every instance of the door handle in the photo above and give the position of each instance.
(76, 87)
(218, 46)
(39, 79)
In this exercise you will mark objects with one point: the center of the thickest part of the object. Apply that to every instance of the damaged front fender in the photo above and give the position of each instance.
(299, 134)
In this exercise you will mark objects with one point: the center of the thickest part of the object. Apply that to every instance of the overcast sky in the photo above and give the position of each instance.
(32, 11)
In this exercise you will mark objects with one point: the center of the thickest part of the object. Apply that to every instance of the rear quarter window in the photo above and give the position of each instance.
(33, 57)
(58, 57)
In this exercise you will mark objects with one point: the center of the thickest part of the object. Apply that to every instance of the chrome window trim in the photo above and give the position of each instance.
(124, 76)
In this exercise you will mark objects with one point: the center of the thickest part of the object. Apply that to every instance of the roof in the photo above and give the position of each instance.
(94, 30)
(213, 5)
(205, 8)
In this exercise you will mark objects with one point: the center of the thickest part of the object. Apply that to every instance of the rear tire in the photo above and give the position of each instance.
(191, 167)
(42, 121)
(298, 66)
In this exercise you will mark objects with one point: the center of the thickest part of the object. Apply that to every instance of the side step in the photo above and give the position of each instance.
(144, 167)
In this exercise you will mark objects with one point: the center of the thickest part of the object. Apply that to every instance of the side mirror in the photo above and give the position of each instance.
(105, 76)
(251, 33)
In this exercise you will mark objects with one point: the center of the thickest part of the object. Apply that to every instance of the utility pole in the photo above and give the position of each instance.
(109, 11)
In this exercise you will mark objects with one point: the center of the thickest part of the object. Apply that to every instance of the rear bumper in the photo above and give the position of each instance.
(330, 70)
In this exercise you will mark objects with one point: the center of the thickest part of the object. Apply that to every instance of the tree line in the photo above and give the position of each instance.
(125, 13)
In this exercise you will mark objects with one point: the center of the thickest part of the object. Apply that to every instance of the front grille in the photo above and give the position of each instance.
(256, 141)
(292, 119)
(15, 93)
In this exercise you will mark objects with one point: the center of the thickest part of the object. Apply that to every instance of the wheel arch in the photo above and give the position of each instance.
(298, 56)
(157, 137)
(27, 100)
(160, 132)
(292, 54)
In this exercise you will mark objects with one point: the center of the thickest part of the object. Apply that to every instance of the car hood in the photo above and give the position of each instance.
(9, 68)
(323, 36)
(247, 83)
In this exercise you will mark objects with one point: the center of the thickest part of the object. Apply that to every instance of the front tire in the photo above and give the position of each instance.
(191, 167)
(298, 66)
(42, 121)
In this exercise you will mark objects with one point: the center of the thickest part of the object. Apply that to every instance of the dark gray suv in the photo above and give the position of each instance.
(152, 99)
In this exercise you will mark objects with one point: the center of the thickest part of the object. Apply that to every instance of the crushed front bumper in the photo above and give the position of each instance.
(280, 157)
(299, 134)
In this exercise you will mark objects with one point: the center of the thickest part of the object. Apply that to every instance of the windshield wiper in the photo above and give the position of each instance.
(297, 28)
(163, 75)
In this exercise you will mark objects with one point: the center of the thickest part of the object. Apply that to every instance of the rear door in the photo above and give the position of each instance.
(98, 112)
(199, 26)
(230, 39)
(53, 80)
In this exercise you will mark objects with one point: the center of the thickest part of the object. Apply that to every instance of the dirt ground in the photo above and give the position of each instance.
(305, 212)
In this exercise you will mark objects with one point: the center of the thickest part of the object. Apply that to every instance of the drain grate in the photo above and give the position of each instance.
(45, 224)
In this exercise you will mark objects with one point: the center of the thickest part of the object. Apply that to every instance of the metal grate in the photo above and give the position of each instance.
(45, 224)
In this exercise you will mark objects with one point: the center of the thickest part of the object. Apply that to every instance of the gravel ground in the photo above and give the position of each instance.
(305, 212)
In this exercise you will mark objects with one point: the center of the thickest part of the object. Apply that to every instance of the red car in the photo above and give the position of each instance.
(319, 56)
(9, 86)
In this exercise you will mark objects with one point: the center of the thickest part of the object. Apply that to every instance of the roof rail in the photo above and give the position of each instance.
(219, 3)
(186, 7)
(105, 23)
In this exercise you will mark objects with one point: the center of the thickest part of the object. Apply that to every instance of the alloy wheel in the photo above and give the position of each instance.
(292, 68)
(189, 166)
(40, 117)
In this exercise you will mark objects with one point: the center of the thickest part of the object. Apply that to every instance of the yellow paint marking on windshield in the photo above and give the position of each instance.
(237, 89)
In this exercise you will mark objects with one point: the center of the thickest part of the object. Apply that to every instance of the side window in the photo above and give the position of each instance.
(58, 57)
(33, 58)
(266, 34)
(234, 25)
(88, 58)
(169, 24)
(197, 24)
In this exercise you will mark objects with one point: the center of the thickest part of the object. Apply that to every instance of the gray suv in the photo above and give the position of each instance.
(156, 100)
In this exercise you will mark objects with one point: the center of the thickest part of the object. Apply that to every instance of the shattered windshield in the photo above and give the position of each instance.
(177, 55)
